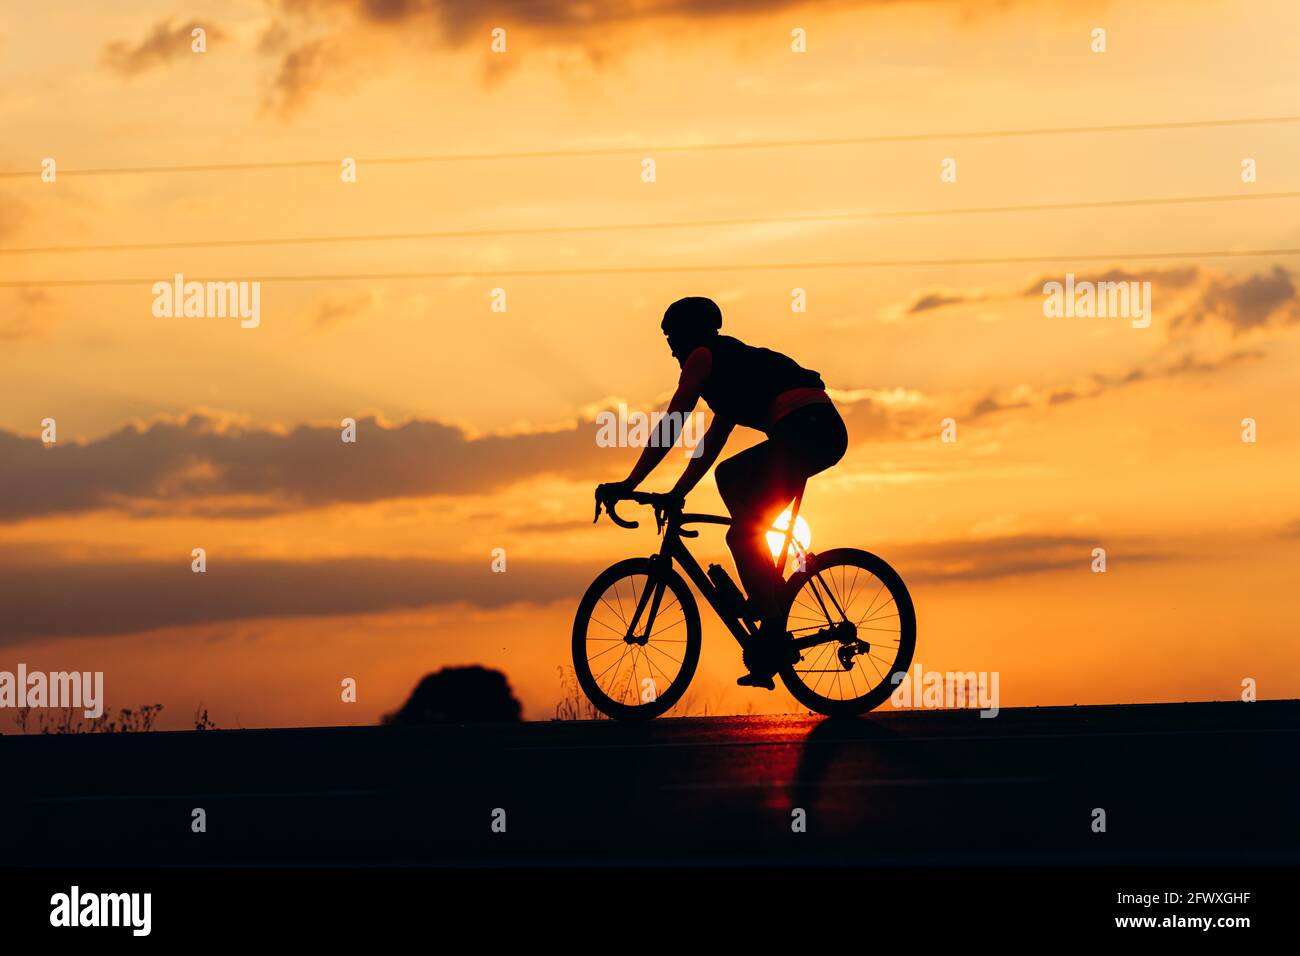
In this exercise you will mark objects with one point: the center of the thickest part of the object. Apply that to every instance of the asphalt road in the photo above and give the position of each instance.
(1208, 783)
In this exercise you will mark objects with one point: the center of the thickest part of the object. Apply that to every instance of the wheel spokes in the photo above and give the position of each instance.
(620, 676)
(867, 603)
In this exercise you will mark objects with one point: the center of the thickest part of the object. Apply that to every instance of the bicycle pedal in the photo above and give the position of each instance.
(756, 680)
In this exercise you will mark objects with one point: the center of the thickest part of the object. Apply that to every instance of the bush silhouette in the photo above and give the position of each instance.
(459, 695)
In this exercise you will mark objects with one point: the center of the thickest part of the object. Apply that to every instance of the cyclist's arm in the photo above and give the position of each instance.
(694, 373)
(709, 449)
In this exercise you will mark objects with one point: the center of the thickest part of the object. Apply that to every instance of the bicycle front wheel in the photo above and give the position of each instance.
(636, 639)
(852, 620)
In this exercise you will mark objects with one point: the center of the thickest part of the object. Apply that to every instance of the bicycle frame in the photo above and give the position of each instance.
(674, 550)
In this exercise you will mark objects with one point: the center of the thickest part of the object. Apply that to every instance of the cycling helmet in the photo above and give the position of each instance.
(693, 317)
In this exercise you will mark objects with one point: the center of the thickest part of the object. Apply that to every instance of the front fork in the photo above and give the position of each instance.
(653, 595)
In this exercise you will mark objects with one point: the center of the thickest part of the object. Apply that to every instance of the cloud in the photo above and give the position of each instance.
(85, 598)
(1204, 297)
(872, 419)
(303, 71)
(205, 464)
(1177, 278)
(363, 34)
(987, 559)
(926, 301)
(43, 597)
(21, 321)
(332, 310)
(1245, 305)
(458, 21)
(989, 404)
(164, 43)
(1099, 383)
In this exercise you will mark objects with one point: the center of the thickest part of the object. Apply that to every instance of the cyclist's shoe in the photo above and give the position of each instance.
(756, 680)
(765, 655)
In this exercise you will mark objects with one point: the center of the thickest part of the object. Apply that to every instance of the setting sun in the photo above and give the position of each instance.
(776, 537)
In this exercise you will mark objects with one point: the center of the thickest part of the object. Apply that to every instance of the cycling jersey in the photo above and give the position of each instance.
(750, 386)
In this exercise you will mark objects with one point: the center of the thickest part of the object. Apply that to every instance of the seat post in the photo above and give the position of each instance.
(789, 531)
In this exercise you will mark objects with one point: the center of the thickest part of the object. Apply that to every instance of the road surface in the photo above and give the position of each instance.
(1204, 783)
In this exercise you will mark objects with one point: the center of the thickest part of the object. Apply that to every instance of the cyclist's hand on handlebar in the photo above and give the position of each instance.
(614, 491)
(666, 505)
(669, 502)
(610, 493)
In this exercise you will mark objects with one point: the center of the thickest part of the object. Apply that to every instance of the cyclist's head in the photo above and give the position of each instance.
(689, 323)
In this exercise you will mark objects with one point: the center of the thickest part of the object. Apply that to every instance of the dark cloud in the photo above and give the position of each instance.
(41, 599)
(870, 420)
(992, 403)
(1245, 305)
(1178, 278)
(456, 21)
(204, 465)
(1241, 304)
(1009, 556)
(164, 43)
(591, 28)
(334, 310)
(937, 300)
(303, 71)
(275, 38)
(1099, 383)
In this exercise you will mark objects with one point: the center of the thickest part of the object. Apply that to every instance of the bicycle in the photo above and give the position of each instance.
(826, 642)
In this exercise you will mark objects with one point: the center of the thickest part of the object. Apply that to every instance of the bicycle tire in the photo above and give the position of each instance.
(590, 683)
(889, 579)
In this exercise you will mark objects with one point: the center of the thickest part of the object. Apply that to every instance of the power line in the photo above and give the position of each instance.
(618, 227)
(647, 270)
(599, 151)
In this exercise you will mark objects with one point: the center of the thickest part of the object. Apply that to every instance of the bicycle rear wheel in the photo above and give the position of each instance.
(633, 659)
(856, 625)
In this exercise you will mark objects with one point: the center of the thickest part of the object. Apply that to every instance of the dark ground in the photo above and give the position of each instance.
(1213, 783)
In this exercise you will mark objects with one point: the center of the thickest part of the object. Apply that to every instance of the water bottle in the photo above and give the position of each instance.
(728, 593)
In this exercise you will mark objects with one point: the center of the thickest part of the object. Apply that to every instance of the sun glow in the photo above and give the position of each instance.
(776, 537)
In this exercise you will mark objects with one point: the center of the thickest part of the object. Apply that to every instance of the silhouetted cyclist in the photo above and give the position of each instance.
(764, 390)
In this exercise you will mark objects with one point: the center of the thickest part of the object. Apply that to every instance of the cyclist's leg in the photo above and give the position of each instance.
(759, 483)
(813, 438)
(755, 486)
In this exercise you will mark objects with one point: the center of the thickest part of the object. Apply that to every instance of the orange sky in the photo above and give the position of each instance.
(371, 560)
